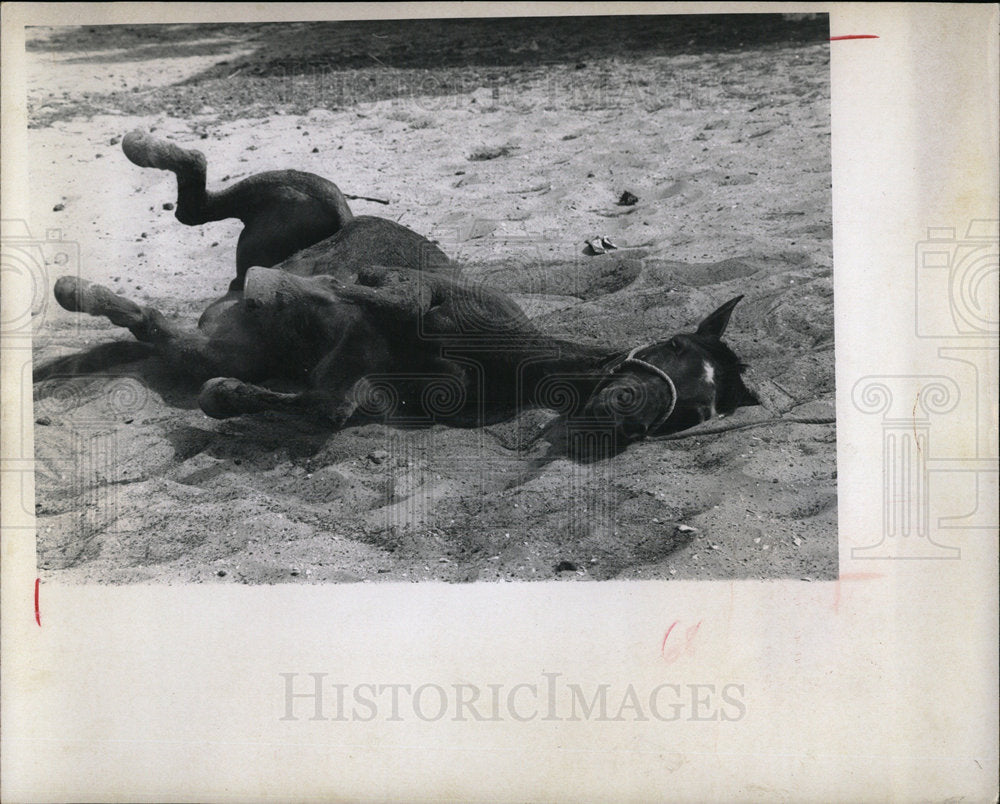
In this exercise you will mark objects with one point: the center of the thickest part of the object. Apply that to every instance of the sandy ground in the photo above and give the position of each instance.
(509, 150)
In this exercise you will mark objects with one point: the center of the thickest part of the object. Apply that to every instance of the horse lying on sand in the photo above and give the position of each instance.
(376, 305)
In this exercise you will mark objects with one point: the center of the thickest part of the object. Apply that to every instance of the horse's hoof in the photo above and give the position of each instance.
(69, 292)
(82, 296)
(216, 398)
(145, 150)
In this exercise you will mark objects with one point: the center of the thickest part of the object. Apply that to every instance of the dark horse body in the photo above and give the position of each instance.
(372, 305)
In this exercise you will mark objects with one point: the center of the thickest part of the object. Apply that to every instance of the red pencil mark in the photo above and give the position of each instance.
(663, 644)
(675, 651)
(852, 36)
(38, 613)
(852, 576)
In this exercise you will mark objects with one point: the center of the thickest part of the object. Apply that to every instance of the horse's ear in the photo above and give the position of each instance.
(715, 324)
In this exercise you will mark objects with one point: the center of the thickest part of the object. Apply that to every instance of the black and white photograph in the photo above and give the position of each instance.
(511, 299)
(499, 402)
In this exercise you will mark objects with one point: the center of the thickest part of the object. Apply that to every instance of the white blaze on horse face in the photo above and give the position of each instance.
(709, 379)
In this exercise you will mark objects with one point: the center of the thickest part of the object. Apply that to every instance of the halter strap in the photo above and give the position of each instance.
(632, 360)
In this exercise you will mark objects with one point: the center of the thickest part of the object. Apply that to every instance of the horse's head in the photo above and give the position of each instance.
(673, 384)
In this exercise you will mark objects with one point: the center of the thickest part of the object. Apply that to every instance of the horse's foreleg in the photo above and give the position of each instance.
(190, 350)
(225, 397)
(94, 360)
(358, 352)
(82, 296)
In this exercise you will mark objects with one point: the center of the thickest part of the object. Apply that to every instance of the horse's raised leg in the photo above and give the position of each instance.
(190, 167)
(283, 211)
(199, 355)
(81, 296)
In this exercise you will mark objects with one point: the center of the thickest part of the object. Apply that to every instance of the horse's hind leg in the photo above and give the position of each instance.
(284, 222)
(283, 211)
(189, 166)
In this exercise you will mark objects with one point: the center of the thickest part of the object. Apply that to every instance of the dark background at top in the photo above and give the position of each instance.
(415, 44)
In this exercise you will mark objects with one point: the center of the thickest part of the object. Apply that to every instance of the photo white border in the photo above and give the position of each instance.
(879, 686)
